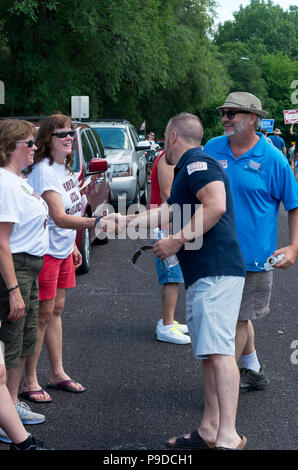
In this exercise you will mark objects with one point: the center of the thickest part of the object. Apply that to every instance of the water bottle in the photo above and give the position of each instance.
(172, 260)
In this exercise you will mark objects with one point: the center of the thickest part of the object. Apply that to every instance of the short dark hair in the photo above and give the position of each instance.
(189, 127)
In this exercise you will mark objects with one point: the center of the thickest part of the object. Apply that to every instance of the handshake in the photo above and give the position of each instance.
(113, 224)
(116, 223)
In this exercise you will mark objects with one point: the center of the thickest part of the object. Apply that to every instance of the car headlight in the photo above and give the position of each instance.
(124, 169)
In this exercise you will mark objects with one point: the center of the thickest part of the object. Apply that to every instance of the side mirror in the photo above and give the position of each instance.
(98, 165)
(143, 145)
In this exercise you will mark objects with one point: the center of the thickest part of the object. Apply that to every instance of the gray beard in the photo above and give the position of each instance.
(236, 129)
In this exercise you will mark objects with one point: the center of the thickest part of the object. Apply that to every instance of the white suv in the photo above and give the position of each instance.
(126, 157)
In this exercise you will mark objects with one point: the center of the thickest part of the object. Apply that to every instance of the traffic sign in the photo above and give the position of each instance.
(79, 107)
(290, 116)
(268, 124)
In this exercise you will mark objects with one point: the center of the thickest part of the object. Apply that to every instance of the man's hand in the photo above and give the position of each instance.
(167, 247)
(290, 254)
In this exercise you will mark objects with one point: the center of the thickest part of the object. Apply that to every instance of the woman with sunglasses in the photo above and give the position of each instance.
(23, 242)
(52, 177)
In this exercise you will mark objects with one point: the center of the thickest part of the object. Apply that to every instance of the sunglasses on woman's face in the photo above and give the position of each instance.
(231, 114)
(63, 134)
(30, 143)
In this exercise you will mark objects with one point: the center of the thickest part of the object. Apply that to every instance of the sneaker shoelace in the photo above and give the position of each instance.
(23, 408)
(176, 330)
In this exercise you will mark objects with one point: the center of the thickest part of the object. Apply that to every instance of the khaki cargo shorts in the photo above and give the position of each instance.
(256, 295)
(19, 338)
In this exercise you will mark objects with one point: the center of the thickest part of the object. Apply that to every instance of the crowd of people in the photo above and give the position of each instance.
(234, 187)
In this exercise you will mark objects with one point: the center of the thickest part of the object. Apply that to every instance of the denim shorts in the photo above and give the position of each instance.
(168, 275)
(212, 308)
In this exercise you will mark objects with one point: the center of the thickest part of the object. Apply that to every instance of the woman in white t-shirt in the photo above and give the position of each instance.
(53, 179)
(23, 242)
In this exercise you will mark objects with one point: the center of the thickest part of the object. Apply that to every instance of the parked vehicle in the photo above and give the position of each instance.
(127, 161)
(90, 167)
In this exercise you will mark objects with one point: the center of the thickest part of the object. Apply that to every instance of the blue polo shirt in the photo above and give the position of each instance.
(277, 141)
(220, 252)
(260, 179)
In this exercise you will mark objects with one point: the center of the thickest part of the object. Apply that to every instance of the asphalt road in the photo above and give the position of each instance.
(139, 391)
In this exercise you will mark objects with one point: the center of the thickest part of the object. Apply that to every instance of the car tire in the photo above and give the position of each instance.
(149, 167)
(144, 197)
(137, 197)
(85, 252)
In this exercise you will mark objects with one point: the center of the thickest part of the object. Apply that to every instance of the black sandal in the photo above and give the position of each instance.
(194, 442)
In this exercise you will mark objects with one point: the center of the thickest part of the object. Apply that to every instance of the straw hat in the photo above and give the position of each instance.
(244, 101)
(276, 131)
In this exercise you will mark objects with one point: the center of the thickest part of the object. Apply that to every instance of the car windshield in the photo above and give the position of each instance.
(113, 137)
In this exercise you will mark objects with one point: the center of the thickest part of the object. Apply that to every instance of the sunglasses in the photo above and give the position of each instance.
(231, 114)
(63, 134)
(30, 143)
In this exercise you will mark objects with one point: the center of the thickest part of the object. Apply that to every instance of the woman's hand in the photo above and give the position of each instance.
(77, 257)
(17, 306)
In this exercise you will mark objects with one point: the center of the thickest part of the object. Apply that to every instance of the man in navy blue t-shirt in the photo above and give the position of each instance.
(204, 238)
(214, 275)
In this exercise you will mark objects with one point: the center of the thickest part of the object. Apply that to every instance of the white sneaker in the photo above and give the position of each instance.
(182, 328)
(172, 335)
(4, 437)
(26, 415)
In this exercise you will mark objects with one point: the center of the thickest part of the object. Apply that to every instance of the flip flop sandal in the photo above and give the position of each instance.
(65, 386)
(29, 395)
(194, 442)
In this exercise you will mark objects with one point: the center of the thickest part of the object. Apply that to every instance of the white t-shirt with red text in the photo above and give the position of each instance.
(27, 211)
(55, 177)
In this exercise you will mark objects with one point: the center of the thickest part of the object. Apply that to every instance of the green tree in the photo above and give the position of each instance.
(277, 28)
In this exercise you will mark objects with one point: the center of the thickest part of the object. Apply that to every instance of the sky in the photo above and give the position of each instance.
(226, 8)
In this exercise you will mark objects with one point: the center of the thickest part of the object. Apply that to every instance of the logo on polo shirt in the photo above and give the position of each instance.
(254, 165)
(224, 163)
(197, 166)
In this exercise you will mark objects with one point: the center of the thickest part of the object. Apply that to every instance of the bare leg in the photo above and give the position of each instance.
(250, 344)
(53, 341)
(241, 338)
(46, 309)
(226, 375)
(210, 421)
(14, 377)
(169, 296)
(9, 418)
(221, 387)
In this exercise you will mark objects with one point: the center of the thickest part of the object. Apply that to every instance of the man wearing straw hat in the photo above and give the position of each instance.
(260, 179)
(278, 141)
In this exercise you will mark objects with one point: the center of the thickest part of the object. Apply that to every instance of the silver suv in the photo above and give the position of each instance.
(126, 157)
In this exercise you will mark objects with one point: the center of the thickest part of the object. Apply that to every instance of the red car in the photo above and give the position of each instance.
(90, 168)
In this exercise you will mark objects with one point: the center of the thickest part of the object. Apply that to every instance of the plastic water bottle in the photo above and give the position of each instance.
(172, 260)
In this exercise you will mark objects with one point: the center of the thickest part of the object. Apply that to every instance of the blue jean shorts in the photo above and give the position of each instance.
(212, 308)
(168, 275)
